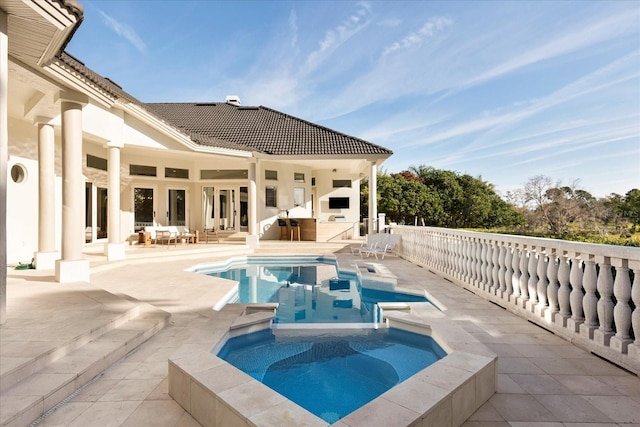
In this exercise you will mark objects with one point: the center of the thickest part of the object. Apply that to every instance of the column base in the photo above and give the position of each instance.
(45, 260)
(72, 271)
(114, 251)
(253, 241)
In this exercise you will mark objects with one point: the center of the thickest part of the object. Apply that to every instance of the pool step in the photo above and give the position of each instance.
(37, 385)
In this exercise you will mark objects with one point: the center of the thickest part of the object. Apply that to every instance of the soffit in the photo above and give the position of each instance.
(38, 29)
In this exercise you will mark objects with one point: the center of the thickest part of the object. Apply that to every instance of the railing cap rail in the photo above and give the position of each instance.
(597, 249)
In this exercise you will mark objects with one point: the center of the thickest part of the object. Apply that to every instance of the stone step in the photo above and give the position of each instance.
(37, 393)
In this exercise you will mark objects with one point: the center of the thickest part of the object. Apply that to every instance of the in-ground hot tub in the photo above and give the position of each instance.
(447, 392)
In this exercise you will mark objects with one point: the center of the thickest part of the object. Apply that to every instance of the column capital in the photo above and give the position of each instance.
(42, 120)
(114, 144)
(67, 96)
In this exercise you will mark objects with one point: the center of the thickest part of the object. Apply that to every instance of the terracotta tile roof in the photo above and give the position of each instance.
(238, 127)
(262, 129)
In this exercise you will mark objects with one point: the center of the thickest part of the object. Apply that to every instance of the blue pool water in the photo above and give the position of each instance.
(307, 290)
(332, 377)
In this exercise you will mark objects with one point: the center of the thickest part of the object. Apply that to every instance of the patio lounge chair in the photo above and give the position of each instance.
(388, 246)
(373, 241)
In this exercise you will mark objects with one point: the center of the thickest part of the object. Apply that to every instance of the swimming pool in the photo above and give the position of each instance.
(332, 377)
(306, 289)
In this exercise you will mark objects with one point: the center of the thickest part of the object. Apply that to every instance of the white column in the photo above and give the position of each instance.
(114, 249)
(46, 256)
(253, 240)
(373, 202)
(4, 155)
(72, 267)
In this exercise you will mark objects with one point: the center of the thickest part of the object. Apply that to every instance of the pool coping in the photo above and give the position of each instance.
(445, 393)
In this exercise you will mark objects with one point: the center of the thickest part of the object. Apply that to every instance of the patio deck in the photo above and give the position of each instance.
(122, 319)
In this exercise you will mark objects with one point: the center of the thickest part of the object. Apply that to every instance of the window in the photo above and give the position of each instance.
(340, 183)
(142, 170)
(176, 173)
(271, 197)
(271, 175)
(224, 174)
(338, 203)
(298, 177)
(18, 173)
(313, 181)
(298, 196)
(96, 162)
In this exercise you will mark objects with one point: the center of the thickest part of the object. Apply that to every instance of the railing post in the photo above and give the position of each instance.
(622, 311)
(603, 334)
(575, 298)
(589, 281)
(564, 292)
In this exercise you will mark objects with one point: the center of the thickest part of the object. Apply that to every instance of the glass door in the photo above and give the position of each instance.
(244, 208)
(177, 207)
(227, 209)
(209, 203)
(144, 208)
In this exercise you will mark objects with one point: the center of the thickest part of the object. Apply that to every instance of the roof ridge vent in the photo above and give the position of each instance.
(233, 100)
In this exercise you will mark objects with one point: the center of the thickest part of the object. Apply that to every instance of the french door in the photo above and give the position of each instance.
(177, 207)
(225, 208)
(144, 207)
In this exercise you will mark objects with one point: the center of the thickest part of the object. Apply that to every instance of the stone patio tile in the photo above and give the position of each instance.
(628, 385)
(65, 414)
(105, 414)
(159, 413)
(587, 385)
(536, 424)
(95, 390)
(596, 366)
(382, 412)
(161, 392)
(251, 398)
(486, 424)
(486, 413)
(571, 408)
(507, 385)
(130, 390)
(517, 365)
(620, 409)
(148, 370)
(518, 407)
(555, 366)
(186, 420)
(539, 384)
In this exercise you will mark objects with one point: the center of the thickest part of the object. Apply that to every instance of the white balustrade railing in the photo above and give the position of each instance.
(586, 293)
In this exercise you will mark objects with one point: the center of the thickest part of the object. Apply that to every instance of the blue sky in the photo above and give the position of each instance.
(500, 90)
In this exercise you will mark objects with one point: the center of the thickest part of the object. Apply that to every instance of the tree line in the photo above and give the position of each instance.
(424, 195)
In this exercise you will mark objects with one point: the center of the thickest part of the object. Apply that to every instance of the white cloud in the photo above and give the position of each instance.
(428, 30)
(293, 26)
(336, 37)
(125, 31)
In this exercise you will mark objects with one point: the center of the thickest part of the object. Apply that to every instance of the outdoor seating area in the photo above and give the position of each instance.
(379, 244)
(168, 235)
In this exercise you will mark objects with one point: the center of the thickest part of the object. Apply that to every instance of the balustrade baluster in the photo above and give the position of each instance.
(508, 274)
(552, 288)
(543, 283)
(564, 291)
(492, 269)
(470, 264)
(489, 284)
(500, 270)
(532, 283)
(590, 300)
(483, 264)
(515, 278)
(524, 277)
(622, 309)
(477, 277)
(603, 334)
(575, 298)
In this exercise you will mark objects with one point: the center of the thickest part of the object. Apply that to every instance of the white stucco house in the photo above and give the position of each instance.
(83, 161)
